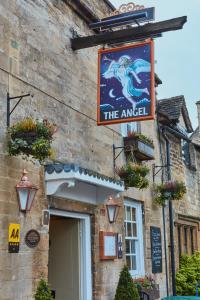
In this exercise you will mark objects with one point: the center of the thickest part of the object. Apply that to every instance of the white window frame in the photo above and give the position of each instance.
(124, 128)
(140, 271)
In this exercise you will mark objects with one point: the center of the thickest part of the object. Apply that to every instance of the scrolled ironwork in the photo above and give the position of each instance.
(124, 8)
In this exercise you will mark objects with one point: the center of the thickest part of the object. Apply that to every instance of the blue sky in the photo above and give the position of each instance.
(177, 53)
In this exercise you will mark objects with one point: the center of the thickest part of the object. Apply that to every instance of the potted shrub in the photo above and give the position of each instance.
(172, 190)
(134, 175)
(148, 286)
(126, 289)
(31, 138)
(141, 145)
(43, 291)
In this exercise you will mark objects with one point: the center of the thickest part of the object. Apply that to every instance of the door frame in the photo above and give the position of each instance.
(85, 245)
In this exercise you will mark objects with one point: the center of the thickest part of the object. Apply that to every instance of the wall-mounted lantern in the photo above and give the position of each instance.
(26, 192)
(112, 210)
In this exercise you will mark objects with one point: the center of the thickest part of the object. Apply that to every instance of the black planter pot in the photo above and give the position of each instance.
(30, 137)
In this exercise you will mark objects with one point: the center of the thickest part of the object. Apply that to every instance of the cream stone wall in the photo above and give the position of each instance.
(36, 57)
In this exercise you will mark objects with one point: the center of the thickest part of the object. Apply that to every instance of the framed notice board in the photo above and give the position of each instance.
(156, 249)
(108, 245)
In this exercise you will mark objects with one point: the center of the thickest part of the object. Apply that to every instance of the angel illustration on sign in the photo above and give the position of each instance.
(124, 70)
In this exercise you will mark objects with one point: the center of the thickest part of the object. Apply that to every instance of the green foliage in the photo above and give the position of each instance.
(31, 138)
(41, 149)
(188, 275)
(43, 291)
(141, 137)
(126, 290)
(134, 175)
(169, 190)
(147, 282)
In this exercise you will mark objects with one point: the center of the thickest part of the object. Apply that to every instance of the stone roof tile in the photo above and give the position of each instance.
(174, 107)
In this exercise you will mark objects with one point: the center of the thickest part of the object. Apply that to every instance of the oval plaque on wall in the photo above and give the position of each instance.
(32, 238)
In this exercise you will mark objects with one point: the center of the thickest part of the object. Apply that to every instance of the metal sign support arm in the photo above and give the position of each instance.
(9, 112)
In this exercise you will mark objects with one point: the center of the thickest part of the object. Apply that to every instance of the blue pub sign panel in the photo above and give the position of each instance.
(126, 83)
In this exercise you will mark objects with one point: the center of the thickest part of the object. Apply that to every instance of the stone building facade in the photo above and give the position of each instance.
(36, 57)
(176, 125)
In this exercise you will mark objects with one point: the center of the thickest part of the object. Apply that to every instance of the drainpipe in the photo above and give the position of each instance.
(165, 247)
(164, 222)
(171, 221)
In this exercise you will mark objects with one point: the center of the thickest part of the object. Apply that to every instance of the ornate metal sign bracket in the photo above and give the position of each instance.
(125, 8)
(9, 112)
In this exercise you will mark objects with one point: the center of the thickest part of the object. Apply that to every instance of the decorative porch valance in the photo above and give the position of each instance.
(73, 182)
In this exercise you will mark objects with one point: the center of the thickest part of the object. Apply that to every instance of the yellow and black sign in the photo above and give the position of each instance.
(13, 238)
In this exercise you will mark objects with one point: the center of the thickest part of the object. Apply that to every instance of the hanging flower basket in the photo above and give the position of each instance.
(134, 175)
(31, 138)
(142, 146)
(171, 190)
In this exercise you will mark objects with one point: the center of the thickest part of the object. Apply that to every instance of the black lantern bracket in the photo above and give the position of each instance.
(9, 112)
(157, 169)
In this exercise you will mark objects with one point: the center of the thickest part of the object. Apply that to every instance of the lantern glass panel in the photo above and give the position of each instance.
(111, 211)
(23, 195)
(32, 193)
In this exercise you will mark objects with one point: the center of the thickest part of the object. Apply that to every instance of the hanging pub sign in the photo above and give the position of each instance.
(126, 84)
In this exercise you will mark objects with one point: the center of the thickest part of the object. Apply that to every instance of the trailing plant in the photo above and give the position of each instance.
(43, 291)
(188, 275)
(134, 175)
(147, 282)
(172, 190)
(141, 137)
(31, 138)
(126, 289)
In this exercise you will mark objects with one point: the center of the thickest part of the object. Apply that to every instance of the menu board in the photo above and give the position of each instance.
(108, 245)
(156, 250)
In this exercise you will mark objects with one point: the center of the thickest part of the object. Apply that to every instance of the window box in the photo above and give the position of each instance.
(142, 150)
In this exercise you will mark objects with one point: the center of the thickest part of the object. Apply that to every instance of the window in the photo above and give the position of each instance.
(187, 238)
(128, 127)
(134, 238)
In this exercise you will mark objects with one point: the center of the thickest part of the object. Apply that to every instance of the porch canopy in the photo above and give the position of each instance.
(73, 182)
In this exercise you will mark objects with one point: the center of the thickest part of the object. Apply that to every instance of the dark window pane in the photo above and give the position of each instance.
(133, 246)
(134, 230)
(128, 250)
(129, 231)
(133, 214)
(128, 262)
(134, 266)
(128, 213)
